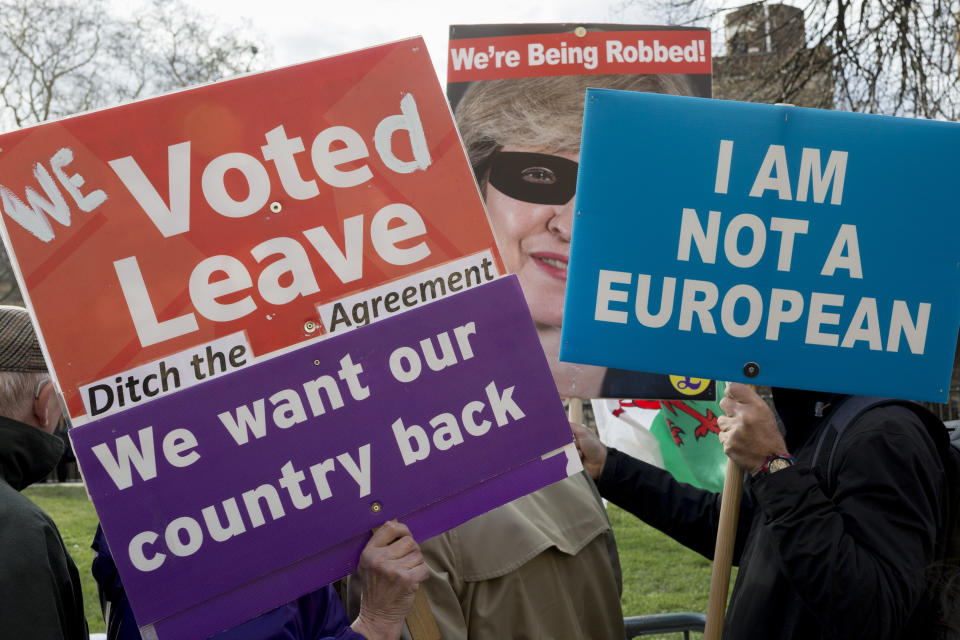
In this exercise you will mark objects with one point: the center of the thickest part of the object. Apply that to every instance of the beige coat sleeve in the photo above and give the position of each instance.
(539, 567)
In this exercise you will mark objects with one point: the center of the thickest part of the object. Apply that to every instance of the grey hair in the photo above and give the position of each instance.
(545, 114)
(17, 392)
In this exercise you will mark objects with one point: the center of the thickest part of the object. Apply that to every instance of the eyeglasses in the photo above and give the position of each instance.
(40, 385)
(539, 178)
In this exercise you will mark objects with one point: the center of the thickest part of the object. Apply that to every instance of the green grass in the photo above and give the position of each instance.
(659, 575)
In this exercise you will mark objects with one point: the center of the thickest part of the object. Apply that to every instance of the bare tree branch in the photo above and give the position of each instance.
(59, 57)
(897, 57)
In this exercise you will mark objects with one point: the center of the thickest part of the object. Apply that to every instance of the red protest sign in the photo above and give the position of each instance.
(212, 224)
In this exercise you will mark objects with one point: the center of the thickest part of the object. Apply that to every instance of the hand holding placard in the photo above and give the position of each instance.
(593, 453)
(391, 569)
(748, 428)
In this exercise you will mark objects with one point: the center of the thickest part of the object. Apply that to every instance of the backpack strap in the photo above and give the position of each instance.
(840, 417)
(846, 413)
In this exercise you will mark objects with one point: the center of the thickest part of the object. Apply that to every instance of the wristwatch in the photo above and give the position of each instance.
(775, 462)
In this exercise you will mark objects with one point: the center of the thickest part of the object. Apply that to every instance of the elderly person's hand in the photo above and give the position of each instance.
(748, 428)
(593, 453)
(391, 569)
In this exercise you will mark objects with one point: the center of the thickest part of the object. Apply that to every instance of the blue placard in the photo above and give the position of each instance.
(768, 244)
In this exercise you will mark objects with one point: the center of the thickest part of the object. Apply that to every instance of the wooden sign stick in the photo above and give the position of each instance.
(575, 410)
(723, 552)
(726, 536)
(420, 621)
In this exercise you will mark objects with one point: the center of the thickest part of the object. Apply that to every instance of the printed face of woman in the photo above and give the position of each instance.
(530, 200)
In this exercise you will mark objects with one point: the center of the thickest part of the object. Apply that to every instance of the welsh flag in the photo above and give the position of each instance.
(676, 435)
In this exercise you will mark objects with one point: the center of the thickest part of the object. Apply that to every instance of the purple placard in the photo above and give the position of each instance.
(220, 613)
(335, 425)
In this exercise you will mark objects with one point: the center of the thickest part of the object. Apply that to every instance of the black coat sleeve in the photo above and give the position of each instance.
(685, 513)
(856, 558)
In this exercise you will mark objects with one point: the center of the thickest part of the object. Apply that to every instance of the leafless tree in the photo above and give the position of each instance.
(59, 57)
(897, 57)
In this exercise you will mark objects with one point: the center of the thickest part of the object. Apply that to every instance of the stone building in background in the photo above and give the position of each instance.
(767, 59)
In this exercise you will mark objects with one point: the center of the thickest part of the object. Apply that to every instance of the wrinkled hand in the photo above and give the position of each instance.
(748, 428)
(593, 453)
(391, 569)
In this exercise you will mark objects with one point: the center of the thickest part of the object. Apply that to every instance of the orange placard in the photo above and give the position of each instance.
(239, 208)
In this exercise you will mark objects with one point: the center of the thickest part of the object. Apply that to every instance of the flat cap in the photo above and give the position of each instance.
(19, 347)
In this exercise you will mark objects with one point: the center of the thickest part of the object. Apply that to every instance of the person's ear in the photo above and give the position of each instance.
(46, 407)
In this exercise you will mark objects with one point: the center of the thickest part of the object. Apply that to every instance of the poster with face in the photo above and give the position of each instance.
(517, 92)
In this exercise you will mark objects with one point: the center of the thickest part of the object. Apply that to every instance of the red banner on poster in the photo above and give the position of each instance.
(211, 224)
(579, 52)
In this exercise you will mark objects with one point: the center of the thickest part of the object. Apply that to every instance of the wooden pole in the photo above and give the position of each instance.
(420, 621)
(575, 410)
(723, 552)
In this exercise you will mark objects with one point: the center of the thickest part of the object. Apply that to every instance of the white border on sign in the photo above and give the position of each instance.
(167, 375)
(422, 288)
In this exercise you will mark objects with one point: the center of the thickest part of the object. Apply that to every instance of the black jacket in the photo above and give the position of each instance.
(40, 592)
(847, 563)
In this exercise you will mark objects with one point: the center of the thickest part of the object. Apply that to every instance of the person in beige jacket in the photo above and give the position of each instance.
(543, 566)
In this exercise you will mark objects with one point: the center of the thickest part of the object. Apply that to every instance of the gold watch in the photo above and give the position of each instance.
(776, 462)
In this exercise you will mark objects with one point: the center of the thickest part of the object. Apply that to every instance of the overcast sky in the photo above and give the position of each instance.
(298, 31)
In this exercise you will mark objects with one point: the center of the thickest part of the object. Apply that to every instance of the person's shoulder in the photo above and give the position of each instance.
(896, 425)
(20, 513)
(894, 418)
(27, 533)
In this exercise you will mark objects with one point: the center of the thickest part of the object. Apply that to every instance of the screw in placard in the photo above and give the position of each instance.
(276, 207)
(751, 369)
(309, 326)
(376, 508)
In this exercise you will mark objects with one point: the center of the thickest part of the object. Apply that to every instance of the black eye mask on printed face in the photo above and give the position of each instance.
(538, 178)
